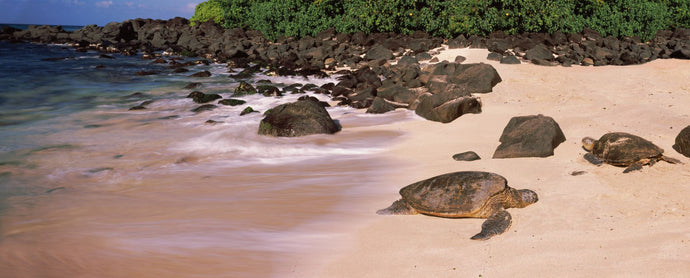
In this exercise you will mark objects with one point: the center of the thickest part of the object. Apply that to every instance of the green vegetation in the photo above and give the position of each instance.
(274, 18)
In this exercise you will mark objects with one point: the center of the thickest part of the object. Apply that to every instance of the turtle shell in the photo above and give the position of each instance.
(622, 149)
(459, 194)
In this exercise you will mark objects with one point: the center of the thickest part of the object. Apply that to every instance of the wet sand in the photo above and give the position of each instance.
(134, 197)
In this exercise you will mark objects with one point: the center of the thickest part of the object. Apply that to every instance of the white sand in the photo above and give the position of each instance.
(600, 224)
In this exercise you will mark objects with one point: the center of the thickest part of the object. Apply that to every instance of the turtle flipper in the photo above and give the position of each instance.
(496, 224)
(671, 160)
(398, 207)
(593, 159)
(637, 165)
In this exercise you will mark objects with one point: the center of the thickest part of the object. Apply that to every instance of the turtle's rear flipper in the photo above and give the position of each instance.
(398, 207)
(671, 160)
(633, 167)
(593, 159)
(496, 224)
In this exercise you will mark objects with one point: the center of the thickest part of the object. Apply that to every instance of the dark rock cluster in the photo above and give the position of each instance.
(585, 48)
(387, 70)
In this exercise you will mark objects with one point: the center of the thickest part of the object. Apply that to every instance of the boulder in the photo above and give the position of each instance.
(231, 102)
(529, 136)
(205, 107)
(381, 105)
(683, 142)
(445, 107)
(510, 60)
(492, 56)
(244, 89)
(478, 78)
(299, 118)
(200, 97)
(248, 110)
(202, 74)
(539, 52)
(379, 52)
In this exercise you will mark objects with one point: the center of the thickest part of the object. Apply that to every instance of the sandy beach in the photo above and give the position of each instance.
(601, 223)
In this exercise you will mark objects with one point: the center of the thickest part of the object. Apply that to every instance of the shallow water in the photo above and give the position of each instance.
(91, 189)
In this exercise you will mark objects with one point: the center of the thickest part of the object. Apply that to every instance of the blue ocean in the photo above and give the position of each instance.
(90, 188)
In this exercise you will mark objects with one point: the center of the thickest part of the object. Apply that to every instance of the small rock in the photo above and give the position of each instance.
(231, 102)
(202, 74)
(577, 173)
(587, 61)
(192, 85)
(248, 110)
(205, 107)
(466, 156)
(493, 56)
(511, 60)
(145, 73)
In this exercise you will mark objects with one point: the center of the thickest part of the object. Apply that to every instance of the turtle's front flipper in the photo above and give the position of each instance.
(637, 165)
(398, 207)
(496, 224)
(593, 159)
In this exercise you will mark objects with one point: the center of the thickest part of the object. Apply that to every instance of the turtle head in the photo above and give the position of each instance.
(588, 143)
(527, 197)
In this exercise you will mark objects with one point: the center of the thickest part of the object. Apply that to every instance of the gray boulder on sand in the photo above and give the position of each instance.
(464, 194)
(529, 136)
(683, 142)
(299, 118)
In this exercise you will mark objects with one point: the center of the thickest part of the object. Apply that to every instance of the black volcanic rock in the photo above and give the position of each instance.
(202, 74)
(205, 107)
(529, 136)
(200, 97)
(231, 102)
(445, 107)
(299, 118)
(682, 144)
(466, 156)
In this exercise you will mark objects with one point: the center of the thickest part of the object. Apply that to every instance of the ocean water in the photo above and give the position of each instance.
(69, 28)
(89, 188)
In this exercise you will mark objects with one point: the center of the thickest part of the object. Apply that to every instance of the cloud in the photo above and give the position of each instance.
(189, 8)
(104, 4)
(74, 2)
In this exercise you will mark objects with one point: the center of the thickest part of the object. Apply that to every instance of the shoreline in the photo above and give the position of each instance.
(583, 107)
(592, 224)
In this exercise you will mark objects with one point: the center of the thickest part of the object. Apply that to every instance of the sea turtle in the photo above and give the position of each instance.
(464, 194)
(624, 150)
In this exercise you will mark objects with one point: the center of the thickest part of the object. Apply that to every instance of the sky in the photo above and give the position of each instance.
(87, 12)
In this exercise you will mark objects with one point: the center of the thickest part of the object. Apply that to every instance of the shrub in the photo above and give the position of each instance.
(620, 18)
(642, 18)
(209, 10)
(298, 18)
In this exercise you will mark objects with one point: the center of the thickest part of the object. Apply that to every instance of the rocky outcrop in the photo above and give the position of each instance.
(529, 136)
(299, 118)
(586, 48)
